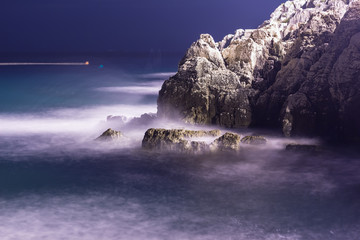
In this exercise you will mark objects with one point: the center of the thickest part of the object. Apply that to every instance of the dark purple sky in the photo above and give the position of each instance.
(122, 25)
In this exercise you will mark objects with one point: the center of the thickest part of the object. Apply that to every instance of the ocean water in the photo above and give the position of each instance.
(56, 182)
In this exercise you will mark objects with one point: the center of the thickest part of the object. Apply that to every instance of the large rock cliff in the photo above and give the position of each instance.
(299, 71)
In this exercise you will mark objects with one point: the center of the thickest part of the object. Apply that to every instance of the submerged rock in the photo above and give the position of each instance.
(228, 141)
(299, 70)
(199, 147)
(176, 139)
(144, 119)
(117, 119)
(110, 135)
(254, 140)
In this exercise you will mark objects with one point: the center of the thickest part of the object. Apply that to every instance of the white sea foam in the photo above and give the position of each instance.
(78, 127)
(161, 75)
(69, 120)
(148, 88)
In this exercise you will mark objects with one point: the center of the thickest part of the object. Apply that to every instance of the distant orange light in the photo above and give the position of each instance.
(87, 63)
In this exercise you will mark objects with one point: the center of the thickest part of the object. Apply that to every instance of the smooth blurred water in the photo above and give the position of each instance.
(35, 88)
(57, 183)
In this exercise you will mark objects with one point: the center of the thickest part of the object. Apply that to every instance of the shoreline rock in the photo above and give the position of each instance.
(176, 139)
(180, 140)
(298, 72)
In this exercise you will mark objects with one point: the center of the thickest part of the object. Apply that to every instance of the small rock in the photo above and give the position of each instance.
(144, 119)
(117, 119)
(254, 140)
(228, 141)
(110, 135)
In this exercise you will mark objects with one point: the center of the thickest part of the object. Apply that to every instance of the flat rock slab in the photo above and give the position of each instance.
(181, 140)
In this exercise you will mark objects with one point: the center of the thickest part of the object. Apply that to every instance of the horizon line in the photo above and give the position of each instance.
(43, 63)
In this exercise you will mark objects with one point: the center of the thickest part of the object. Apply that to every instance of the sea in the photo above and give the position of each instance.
(58, 183)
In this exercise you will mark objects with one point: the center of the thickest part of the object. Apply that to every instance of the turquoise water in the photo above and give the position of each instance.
(57, 183)
(35, 88)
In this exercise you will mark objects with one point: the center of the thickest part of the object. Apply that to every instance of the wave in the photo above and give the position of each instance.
(68, 120)
(161, 75)
(149, 88)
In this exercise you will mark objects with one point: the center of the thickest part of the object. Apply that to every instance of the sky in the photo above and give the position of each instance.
(122, 25)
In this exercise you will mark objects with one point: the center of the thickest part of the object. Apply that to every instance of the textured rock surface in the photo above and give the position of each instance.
(176, 140)
(179, 140)
(299, 70)
(254, 140)
(329, 98)
(228, 141)
(110, 135)
(144, 119)
(204, 91)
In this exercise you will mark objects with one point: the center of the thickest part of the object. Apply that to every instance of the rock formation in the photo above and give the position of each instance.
(228, 141)
(204, 90)
(118, 119)
(298, 71)
(329, 97)
(176, 140)
(180, 140)
(144, 119)
(110, 135)
(254, 140)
